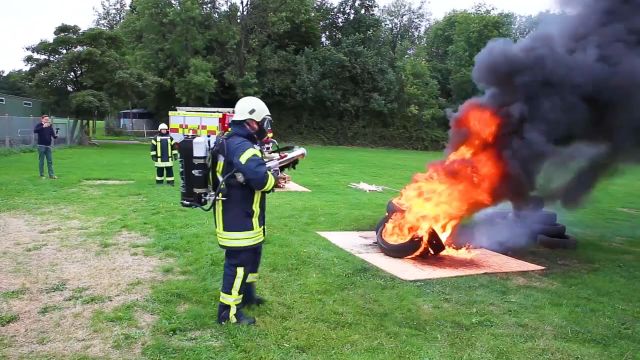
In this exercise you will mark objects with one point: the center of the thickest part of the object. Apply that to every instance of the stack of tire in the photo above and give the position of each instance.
(546, 231)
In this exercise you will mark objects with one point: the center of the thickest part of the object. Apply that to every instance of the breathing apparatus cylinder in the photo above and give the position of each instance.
(194, 171)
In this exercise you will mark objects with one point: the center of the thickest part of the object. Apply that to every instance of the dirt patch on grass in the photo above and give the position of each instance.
(55, 278)
(106, 182)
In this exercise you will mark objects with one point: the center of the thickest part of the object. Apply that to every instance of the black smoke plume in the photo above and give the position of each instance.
(570, 96)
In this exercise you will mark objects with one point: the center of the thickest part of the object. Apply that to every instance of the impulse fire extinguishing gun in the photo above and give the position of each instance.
(202, 159)
(286, 160)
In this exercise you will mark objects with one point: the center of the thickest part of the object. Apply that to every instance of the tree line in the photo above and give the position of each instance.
(347, 73)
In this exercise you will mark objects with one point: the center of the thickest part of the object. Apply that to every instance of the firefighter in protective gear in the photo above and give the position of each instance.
(163, 152)
(240, 218)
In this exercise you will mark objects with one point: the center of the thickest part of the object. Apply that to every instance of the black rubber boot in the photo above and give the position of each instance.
(241, 319)
(250, 298)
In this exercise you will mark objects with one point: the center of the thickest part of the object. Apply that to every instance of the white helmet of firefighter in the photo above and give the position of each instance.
(250, 107)
(163, 126)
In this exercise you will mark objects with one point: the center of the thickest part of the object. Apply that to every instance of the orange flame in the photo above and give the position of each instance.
(453, 188)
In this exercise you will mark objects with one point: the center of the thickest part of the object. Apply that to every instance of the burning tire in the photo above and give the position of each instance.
(401, 250)
(392, 208)
(563, 242)
(381, 223)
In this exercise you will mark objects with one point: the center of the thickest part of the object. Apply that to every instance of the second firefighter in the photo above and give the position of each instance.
(163, 152)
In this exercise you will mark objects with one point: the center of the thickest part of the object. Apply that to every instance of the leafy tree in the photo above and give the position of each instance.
(421, 121)
(110, 14)
(453, 43)
(404, 23)
(74, 62)
(88, 104)
(16, 83)
(523, 25)
(198, 83)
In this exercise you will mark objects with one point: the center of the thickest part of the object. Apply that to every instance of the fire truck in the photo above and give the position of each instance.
(199, 121)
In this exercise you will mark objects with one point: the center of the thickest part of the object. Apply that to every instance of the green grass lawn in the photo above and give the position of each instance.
(324, 303)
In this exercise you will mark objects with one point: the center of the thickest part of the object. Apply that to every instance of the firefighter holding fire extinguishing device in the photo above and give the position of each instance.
(240, 216)
(163, 152)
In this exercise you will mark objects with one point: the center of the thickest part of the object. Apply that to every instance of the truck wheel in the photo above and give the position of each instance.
(401, 250)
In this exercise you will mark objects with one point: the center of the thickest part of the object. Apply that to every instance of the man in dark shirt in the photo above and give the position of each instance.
(45, 133)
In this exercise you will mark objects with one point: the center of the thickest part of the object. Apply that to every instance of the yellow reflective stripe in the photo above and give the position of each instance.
(158, 147)
(249, 153)
(230, 299)
(256, 209)
(159, 178)
(240, 234)
(253, 277)
(235, 291)
(219, 166)
(240, 242)
(164, 163)
(271, 181)
(219, 228)
(170, 178)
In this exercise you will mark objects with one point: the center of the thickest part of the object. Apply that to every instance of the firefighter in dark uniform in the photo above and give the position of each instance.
(240, 218)
(163, 152)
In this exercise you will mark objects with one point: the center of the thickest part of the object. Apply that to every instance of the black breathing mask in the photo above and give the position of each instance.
(264, 127)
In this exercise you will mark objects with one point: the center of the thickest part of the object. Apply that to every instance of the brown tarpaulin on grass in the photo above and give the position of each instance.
(291, 186)
(471, 262)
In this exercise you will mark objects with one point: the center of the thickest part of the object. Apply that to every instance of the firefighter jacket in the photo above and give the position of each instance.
(240, 217)
(163, 150)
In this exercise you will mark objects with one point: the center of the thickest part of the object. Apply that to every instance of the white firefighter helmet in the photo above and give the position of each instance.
(250, 107)
(163, 126)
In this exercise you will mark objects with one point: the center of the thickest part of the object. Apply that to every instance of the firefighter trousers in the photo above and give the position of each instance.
(238, 280)
(160, 172)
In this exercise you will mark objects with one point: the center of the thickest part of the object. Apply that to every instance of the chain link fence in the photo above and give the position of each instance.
(16, 131)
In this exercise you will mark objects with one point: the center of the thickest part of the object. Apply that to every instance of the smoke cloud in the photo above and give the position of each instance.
(570, 96)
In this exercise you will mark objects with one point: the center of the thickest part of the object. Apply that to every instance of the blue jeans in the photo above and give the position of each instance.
(45, 151)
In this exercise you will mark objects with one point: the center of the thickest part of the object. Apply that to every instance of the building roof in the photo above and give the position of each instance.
(18, 97)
